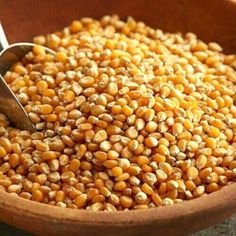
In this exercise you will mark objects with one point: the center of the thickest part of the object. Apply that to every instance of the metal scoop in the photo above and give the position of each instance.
(9, 104)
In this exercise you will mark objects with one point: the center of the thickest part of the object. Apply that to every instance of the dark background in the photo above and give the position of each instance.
(227, 228)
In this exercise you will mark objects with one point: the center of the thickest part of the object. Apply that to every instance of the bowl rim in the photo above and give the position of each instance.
(214, 202)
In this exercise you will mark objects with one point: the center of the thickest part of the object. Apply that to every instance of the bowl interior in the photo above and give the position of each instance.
(178, 219)
(211, 20)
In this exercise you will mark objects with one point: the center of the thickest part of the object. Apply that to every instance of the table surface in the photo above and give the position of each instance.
(227, 228)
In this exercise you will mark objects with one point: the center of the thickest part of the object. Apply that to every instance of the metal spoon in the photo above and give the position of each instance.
(9, 104)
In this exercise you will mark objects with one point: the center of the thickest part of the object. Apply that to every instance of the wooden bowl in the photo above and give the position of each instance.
(212, 21)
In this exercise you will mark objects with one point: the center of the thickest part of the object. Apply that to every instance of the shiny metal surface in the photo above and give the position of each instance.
(9, 104)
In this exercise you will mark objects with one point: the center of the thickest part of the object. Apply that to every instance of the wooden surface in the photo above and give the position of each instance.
(211, 20)
(177, 219)
(227, 228)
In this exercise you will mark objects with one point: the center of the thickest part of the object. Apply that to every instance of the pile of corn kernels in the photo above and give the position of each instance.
(127, 117)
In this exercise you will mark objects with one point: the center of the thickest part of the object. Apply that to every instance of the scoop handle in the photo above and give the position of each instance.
(3, 39)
